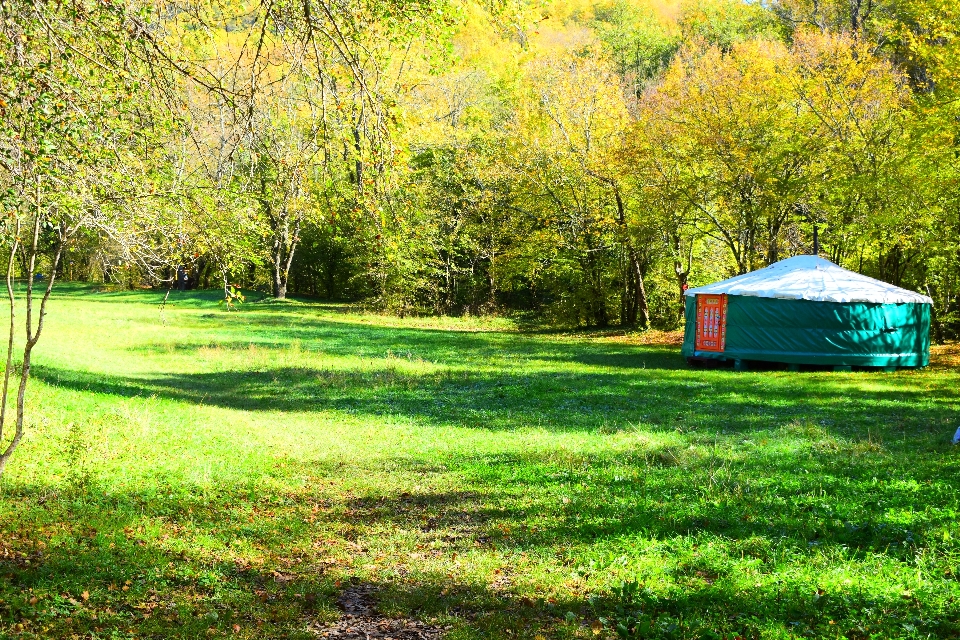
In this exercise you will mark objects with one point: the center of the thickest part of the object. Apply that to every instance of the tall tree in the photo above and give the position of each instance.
(295, 100)
(569, 135)
(75, 152)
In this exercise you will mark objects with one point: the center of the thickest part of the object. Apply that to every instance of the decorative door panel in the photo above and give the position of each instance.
(711, 322)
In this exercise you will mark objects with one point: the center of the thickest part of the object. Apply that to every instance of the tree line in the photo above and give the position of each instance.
(579, 161)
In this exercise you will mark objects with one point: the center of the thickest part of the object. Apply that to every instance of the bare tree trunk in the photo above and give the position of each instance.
(632, 298)
(448, 293)
(33, 335)
(9, 364)
(640, 290)
(358, 147)
(279, 282)
(596, 304)
(292, 242)
(683, 274)
(637, 299)
(491, 277)
(281, 262)
(163, 304)
(935, 319)
(628, 302)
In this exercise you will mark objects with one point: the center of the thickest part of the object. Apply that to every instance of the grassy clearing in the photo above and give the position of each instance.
(224, 474)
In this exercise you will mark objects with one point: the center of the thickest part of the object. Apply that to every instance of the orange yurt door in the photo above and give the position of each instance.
(711, 322)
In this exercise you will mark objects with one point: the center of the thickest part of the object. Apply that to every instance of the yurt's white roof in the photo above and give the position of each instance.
(811, 278)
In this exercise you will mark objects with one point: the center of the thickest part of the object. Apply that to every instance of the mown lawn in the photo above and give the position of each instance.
(226, 474)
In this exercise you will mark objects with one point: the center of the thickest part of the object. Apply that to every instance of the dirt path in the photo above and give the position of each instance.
(360, 620)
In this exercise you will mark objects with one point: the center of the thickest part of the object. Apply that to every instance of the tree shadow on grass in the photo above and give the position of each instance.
(174, 560)
(707, 609)
(558, 400)
(84, 561)
(709, 523)
(801, 502)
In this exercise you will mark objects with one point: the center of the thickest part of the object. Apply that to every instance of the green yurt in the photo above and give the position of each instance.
(807, 311)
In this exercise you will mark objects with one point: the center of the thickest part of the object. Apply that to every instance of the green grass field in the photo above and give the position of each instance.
(226, 474)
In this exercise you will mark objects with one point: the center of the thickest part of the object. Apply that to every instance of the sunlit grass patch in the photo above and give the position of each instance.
(219, 469)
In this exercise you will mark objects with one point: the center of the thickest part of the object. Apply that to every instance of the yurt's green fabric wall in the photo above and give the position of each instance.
(805, 332)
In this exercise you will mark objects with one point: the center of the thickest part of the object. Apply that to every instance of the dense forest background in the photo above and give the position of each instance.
(579, 161)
